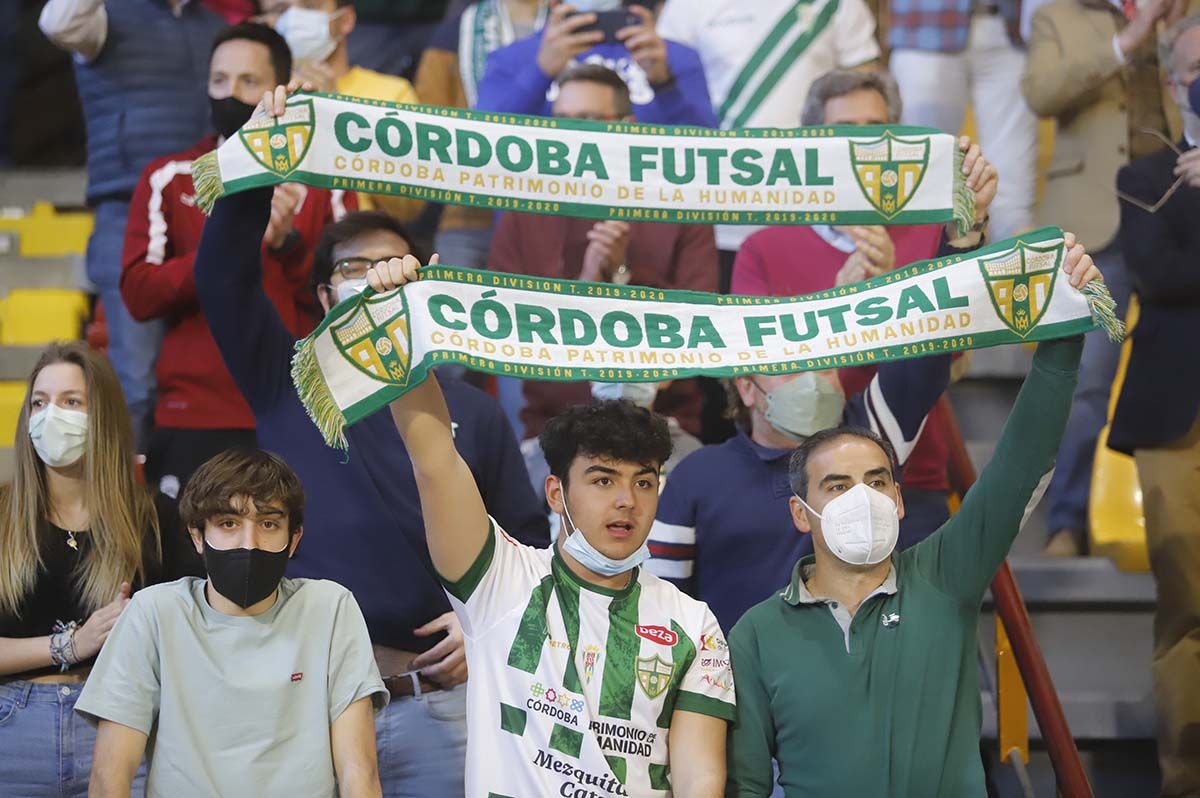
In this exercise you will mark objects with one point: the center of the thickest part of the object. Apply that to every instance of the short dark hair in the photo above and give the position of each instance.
(262, 477)
(281, 56)
(598, 73)
(349, 227)
(616, 429)
(798, 464)
(840, 82)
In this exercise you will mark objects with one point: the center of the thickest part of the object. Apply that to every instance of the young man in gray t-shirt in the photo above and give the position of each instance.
(245, 683)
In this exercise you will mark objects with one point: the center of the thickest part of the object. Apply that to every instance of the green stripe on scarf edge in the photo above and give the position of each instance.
(331, 421)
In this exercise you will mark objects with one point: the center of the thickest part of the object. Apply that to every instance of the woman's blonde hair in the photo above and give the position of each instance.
(119, 509)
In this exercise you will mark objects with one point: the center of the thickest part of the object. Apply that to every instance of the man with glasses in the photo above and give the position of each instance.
(363, 522)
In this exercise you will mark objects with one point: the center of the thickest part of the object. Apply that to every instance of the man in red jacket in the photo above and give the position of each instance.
(637, 253)
(200, 411)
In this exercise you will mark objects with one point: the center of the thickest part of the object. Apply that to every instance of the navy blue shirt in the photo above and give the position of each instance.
(724, 532)
(363, 525)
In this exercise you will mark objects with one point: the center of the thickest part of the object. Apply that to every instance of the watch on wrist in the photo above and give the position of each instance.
(290, 241)
(980, 225)
(622, 275)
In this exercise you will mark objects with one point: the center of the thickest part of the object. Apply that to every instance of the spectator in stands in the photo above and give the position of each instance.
(364, 525)
(760, 59)
(666, 79)
(141, 67)
(233, 11)
(392, 34)
(637, 253)
(861, 677)
(197, 672)
(78, 533)
(948, 54)
(1157, 417)
(735, 554)
(449, 75)
(200, 411)
(1097, 73)
(766, 266)
(316, 32)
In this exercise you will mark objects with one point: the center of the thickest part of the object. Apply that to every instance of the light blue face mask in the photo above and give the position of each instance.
(587, 555)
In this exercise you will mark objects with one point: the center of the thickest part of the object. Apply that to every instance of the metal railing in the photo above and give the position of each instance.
(1016, 645)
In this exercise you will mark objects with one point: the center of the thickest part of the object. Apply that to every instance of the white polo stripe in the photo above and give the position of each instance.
(672, 533)
(670, 569)
(156, 249)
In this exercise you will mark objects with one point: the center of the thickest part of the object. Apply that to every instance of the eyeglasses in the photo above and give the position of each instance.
(356, 268)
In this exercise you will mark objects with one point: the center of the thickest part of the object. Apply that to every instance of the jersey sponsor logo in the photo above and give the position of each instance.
(579, 780)
(713, 643)
(716, 662)
(619, 738)
(657, 634)
(654, 675)
(591, 655)
(722, 683)
(558, 704)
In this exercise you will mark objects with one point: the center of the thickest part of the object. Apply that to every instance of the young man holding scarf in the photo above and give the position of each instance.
(870, 651)
(199, 411)
(585, 673)
(245, 681)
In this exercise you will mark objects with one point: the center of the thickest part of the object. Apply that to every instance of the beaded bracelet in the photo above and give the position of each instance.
(62, 645)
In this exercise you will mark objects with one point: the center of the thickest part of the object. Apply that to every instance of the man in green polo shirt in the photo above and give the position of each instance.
(860, 678)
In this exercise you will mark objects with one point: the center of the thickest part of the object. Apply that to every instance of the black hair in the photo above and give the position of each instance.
(616, 429)
(598, 73)
(349, 227)
(259, 476)
(281, 56)
(798, 464)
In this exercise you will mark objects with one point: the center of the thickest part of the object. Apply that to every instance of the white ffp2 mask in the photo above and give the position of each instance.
(59, 436)
(861, 526)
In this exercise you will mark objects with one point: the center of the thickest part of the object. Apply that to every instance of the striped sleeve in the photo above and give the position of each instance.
(899, 398)
(673, 535)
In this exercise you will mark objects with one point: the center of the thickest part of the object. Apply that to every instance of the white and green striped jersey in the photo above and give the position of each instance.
(761, 57)
(573, 686)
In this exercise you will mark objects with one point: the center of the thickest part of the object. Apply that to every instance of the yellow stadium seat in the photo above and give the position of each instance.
(1117, 526)
(46, 233)
(12, 396)
(37, 316)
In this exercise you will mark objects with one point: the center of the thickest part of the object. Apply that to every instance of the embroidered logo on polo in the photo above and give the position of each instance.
(280, 143)
(889, 169)
(890, 619)
(1020, 283)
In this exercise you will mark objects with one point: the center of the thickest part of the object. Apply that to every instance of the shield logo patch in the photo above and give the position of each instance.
(1020, 283)
(281, 143)
(375, 338)
(654, 675)
(888, 170)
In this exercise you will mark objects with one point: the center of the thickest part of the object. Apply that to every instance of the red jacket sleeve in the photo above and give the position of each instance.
(505, 252)
(749, 271)
(156, 281)
(695, 267)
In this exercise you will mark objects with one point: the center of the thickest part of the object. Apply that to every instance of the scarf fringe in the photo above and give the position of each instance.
(206, 179)
(1104, 310)
(964, 198)
(315, 395)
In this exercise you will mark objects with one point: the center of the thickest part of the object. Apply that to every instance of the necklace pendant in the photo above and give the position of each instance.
(71, 541)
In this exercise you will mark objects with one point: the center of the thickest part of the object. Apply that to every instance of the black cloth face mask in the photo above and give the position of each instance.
(229, 114)
(245, 576)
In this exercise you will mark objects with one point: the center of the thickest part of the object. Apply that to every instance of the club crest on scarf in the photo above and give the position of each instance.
(889, 169)
(654, 675)
(1020, 283)
(280, 144)
(375, 337)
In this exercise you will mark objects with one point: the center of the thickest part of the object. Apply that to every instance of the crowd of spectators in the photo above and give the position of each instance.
(203, 314)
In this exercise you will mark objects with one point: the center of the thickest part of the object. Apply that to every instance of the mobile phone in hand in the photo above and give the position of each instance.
(609, 22)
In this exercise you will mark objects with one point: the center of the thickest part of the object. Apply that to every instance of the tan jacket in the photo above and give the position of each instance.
(1072, 74)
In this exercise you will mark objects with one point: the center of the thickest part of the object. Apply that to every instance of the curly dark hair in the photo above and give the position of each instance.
(615, 429)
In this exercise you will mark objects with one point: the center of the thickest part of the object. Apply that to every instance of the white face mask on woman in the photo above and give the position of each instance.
(861, 526)
(59, 436)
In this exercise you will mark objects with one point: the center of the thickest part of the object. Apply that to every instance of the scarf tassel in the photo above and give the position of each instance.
(1104, 310)
(964, 198)
(316, 397)
(206, 179)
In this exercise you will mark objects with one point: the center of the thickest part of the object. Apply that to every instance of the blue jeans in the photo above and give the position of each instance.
(132, 346)
(46, 747)
(1067, 494)
(422, 744)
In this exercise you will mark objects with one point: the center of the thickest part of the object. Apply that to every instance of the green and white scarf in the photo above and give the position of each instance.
(597, 170)
(372, 348)
(485, 27)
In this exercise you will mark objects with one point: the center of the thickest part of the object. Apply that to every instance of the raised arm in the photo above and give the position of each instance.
(456, 521)
(156, 281)
(900, 396)
(1060, 75)
(79, 26)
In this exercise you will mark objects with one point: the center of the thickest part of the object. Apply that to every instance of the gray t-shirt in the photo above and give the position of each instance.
(235, 705)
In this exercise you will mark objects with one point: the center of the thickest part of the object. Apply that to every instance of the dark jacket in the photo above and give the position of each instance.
(1161, 394)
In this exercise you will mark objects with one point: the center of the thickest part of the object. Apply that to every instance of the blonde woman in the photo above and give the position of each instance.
(77, 533)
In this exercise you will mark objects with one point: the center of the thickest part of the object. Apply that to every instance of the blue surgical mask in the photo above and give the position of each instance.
(587, 555)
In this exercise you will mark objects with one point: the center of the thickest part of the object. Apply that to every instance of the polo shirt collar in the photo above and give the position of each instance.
(797, 593)
(767, 454)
